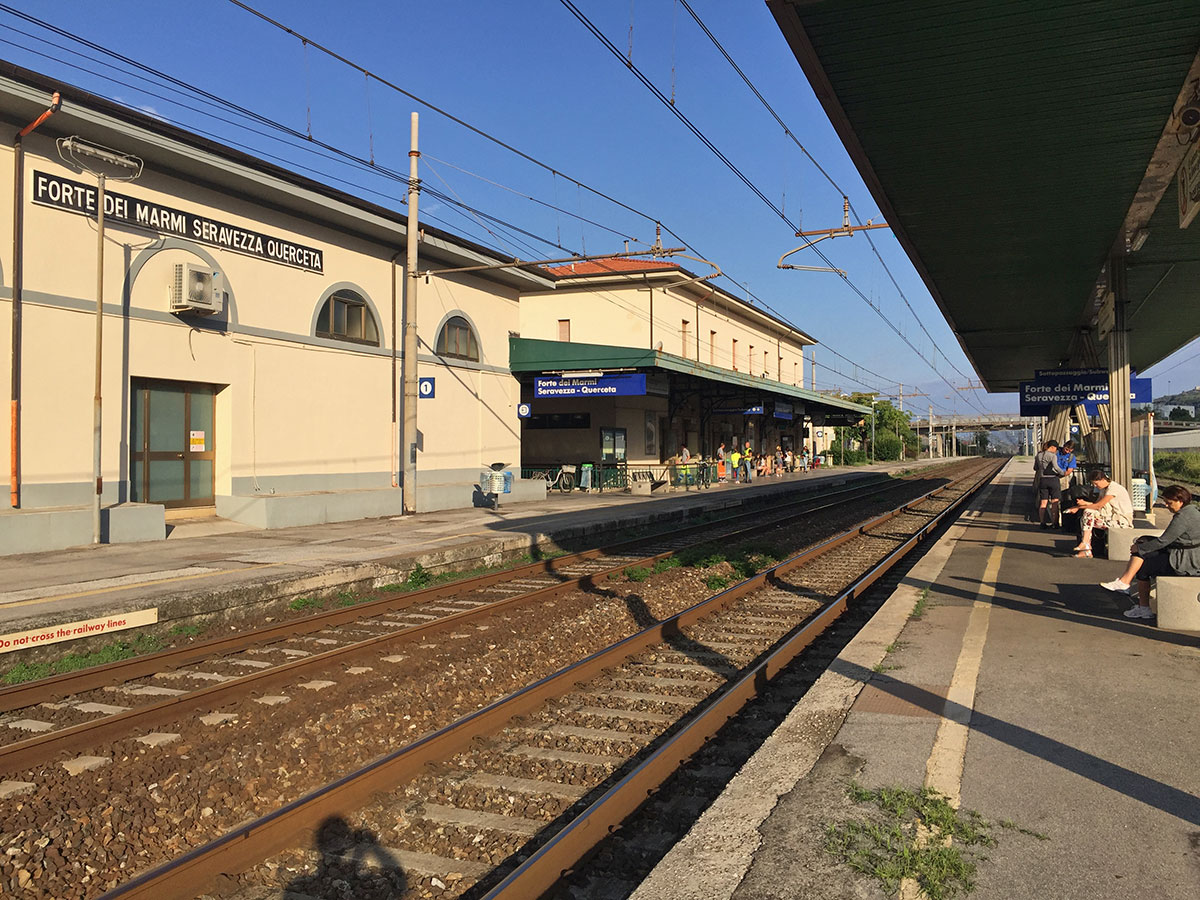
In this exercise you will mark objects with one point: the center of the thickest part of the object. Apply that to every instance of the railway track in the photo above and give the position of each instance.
(523, 788)
(77, 711)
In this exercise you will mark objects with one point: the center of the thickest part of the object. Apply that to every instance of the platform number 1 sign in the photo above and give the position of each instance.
(425, 388)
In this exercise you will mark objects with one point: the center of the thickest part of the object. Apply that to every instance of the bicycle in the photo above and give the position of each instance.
(563, 478)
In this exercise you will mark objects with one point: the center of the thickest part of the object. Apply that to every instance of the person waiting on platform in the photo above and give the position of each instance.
(747, 462)
(1176, 552)
(735, 462)
(723, 462)
(804, 459)
(1046, 473)
(1112, 509)
(1068, 463)
(789, 460)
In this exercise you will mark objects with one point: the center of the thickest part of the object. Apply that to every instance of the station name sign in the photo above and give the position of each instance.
(632, 384)
(74, 196)
(1086, 386)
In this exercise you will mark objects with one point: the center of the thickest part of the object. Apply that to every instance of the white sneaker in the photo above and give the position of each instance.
(1116, 585)
(1139, 612)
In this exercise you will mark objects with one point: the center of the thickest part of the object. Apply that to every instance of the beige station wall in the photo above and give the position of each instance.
(295, 412)
(472, 419)
(619, 315)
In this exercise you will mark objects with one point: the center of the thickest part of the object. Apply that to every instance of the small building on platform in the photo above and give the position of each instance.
(631, 360)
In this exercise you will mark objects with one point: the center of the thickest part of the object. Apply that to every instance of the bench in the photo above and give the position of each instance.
(1176, 601)
(644, 481)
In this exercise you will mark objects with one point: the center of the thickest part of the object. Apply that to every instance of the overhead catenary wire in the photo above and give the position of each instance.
(792, 135)
(330, 152)
(707, 142)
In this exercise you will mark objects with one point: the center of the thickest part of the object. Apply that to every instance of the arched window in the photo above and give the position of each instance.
(346, 317)
(457, 340)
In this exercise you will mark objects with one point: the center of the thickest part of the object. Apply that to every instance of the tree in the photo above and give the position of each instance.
(982, 439)
(1179, 414)
(888, 421)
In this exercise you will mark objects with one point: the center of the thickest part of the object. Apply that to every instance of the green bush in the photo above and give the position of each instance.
(716, 582)
(888, 446)
(419, 577)
(637, 573)
(1183, 466)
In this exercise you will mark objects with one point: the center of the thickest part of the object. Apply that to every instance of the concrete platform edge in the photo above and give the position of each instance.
(713, 857)
(177, 603)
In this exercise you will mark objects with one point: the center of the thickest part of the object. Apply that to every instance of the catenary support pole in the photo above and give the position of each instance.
(409, 443)
(1120, 412)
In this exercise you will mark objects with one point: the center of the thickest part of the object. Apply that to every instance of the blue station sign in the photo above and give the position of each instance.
(783, 410)
(1086, 386)
(620, 384)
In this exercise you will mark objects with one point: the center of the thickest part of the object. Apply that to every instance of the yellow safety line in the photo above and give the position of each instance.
(944, 768)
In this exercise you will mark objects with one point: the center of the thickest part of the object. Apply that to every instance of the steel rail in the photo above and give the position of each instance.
(34, 750)
(248, 844)
(580, 836)
(33, 692)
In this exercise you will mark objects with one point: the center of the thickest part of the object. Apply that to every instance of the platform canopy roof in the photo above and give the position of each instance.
(1013, 146)
(530, 355)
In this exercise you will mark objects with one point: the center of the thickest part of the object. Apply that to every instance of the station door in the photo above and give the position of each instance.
(172, 443)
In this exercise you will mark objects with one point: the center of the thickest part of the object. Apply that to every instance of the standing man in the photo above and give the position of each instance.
(721, 460)
(1047, 474)
(735, 460)
(747, 462)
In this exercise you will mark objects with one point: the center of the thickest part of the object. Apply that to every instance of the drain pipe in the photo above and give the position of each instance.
(14, 483)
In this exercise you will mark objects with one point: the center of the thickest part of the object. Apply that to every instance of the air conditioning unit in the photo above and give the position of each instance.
(196, 290)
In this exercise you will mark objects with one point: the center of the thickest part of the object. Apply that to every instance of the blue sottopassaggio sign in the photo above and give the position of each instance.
(621, 384)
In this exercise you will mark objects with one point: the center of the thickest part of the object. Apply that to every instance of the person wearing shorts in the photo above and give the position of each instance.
(1047, 473)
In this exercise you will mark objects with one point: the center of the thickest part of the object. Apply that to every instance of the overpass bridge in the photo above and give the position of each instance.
(979, 422)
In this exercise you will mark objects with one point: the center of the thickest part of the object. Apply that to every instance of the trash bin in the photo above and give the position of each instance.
(585, 475)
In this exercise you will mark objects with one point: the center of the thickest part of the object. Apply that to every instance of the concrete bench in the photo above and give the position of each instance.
(1119, 542)
(1176, 601)
(643, 481)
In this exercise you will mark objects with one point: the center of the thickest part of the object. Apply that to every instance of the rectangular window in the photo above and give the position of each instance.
(750, 360)
(612, 444)
(712, 348)
(795, 373)
(684, 338)
(541, 421)
(766, 368)
(564, 330)
(733, 355)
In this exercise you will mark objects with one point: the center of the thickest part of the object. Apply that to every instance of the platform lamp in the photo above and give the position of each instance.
(104, 163)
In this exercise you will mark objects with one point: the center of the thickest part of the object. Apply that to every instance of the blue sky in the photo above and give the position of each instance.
(530, 74)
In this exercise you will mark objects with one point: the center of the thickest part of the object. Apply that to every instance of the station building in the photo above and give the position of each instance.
(280, 402)
(631, 360)
(251, 335)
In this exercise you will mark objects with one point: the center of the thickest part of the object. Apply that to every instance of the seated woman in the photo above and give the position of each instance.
(1112, 509)
(1177, 552)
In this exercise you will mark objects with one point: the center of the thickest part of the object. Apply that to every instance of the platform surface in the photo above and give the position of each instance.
(1020, 692)
(202, 559)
